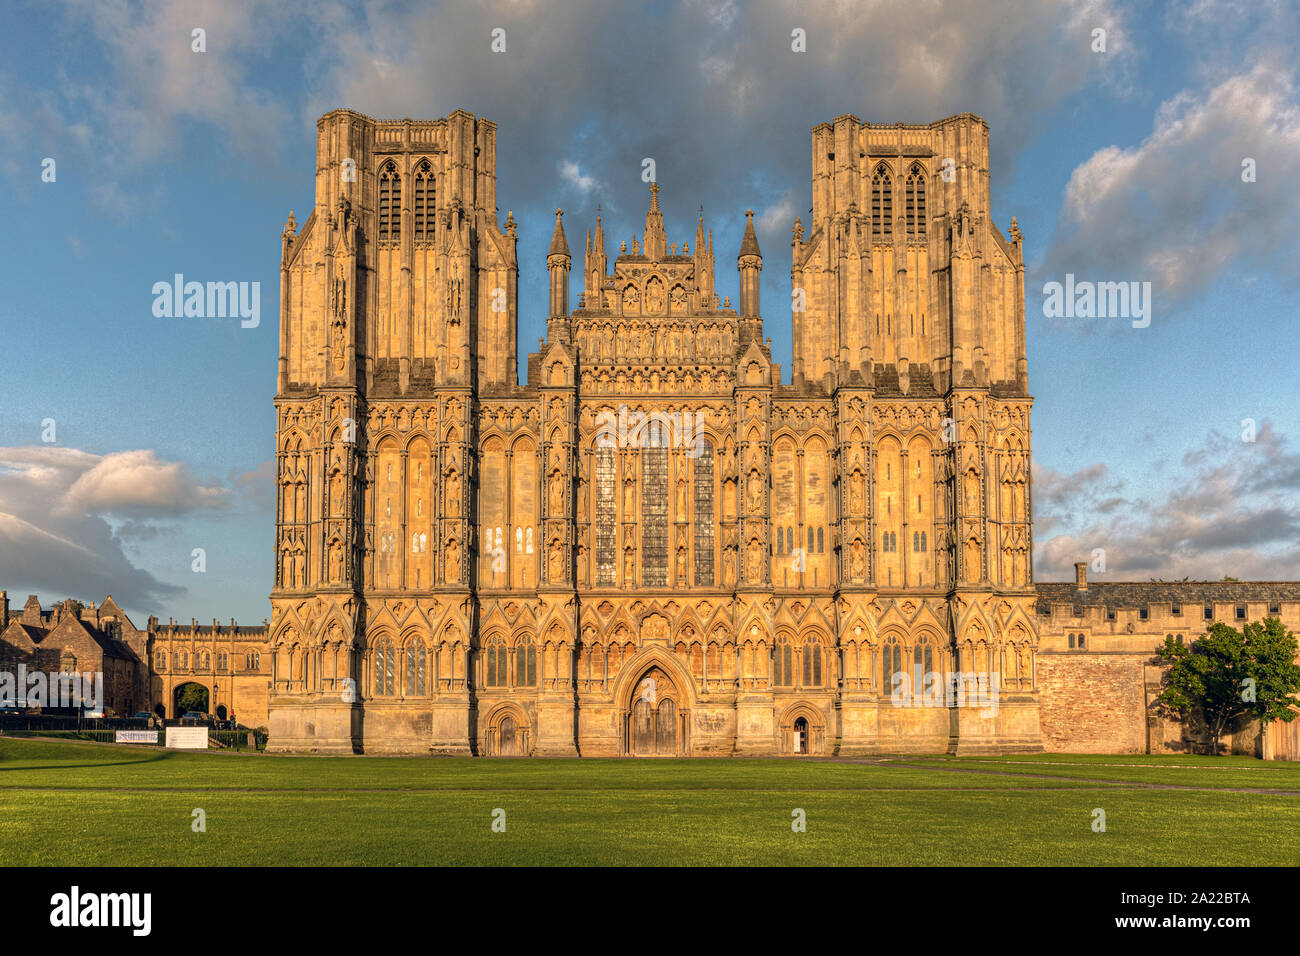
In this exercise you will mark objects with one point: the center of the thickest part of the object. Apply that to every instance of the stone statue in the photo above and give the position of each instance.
(556, 564)
(754, 560)
(557, 493)
(453, 495)
(452, 562)
(754, 491)
(858, 560)
(729, 567)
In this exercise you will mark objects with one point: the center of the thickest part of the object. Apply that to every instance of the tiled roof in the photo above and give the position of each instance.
(1133, 594)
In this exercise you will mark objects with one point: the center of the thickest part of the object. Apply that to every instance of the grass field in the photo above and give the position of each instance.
(69, 803)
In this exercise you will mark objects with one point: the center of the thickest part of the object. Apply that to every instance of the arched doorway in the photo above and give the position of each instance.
(803, 730)
(654, 722)
(507, 733)
(800, 740)
(189, 696)
(508, 737)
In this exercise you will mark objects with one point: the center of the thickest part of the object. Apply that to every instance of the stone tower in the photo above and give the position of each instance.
(398, 305)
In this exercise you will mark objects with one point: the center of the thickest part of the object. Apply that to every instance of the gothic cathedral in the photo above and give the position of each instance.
(653, 547)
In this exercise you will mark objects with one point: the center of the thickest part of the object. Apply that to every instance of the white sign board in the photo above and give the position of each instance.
(137, 737)
(187, 738)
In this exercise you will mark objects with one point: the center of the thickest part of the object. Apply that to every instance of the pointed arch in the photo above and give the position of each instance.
(882, 203)
(390, 202)
(914, 190)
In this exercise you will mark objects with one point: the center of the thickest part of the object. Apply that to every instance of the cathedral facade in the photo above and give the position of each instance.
(654, 545)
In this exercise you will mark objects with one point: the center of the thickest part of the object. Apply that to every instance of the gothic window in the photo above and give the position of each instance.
(1080, 642)
(810, 541)
(390, 202)
(704, 515)
(417, 670)
(203, 660)
(182, 659)
(915, 189)
(922, 664)
(1071, 638)
(525, 663)
(884, 541)
(497, 670)
(385, 669)
(654, 511)
(783, 663)
(789, 539)
(923, 542)
(519, 540)
(606, 524)
(423, 207)
(160, 661)
(812, 663)
(253, 661)
(821, 540)
(891, 663)
(882, 203)
(222, 661)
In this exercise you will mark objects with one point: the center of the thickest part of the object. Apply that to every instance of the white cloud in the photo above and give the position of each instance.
(66, 517)
(1230, 510)
(1174, 209)
(572, 174)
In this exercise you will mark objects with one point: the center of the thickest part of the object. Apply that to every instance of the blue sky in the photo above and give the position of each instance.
(1122, 164)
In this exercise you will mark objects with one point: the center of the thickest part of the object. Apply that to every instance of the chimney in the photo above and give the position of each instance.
(1081, 575)
(4, 610)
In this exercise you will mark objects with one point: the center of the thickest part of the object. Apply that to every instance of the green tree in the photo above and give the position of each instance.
(193, 697)
(1229, 674)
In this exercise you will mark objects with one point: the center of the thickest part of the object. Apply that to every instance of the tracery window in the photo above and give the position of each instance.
(423, 206)
(525, 663)
(606, 517)
(812, 663)
(252, 661)
(160, 660)
(882, 203)
(385, 668)
(915, 193)
(783, 663)
(922, 664)
(704, 515)
(417, 669)
(222, 661)
(654, 510)
(891, 664)
(390, 202)
(496, 669)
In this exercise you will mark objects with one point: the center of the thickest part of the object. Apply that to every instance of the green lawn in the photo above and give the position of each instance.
(68, 803)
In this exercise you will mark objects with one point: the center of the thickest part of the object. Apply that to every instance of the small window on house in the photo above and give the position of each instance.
(1080, 642)
(1077, 610)
(1177, 609)
(1071, 642)
(1241, 612)
(1142, 614)
(1274, 607)
(1209, 612)
(1110, 614)
(1179, 637)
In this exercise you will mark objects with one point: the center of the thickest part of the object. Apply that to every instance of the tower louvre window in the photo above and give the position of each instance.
(882, 203)
(915, 196)
(423, 207)
(390, 202)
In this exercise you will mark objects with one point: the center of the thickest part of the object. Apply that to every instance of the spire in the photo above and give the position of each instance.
(656, 242)
(750, 264)
(558, 245)
(749, 244)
